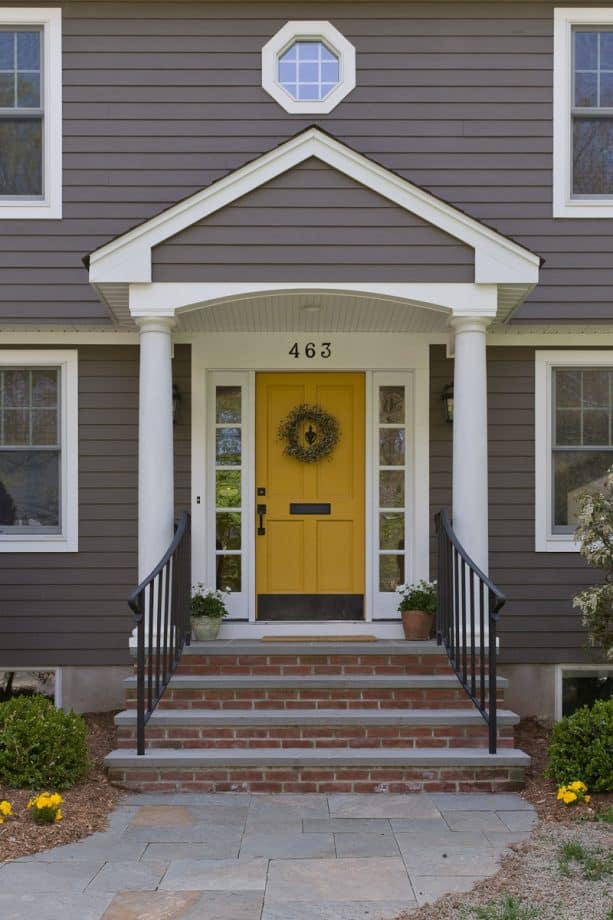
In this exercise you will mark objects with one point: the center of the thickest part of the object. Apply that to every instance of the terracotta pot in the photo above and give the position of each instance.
(205, 628)
(417, 624)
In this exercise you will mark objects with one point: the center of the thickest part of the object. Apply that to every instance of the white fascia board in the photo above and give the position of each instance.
(497, 259)
(168, 298)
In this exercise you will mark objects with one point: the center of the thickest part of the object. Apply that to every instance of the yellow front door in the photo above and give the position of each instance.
(310, 522)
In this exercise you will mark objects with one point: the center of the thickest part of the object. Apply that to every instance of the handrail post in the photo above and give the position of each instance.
(493, 711)
(140, 680)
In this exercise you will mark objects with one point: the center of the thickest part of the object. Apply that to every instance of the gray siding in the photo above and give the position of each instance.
(162, 98)
(538, 621)
(331, 229)
(70, 608)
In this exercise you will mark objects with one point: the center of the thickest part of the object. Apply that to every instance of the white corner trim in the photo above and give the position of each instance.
(544, 361)
(314, 30)
(497, 259)
(564, 205)
(50, 206)
(68, 540)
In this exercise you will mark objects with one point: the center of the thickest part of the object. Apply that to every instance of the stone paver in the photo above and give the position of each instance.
(264, 857)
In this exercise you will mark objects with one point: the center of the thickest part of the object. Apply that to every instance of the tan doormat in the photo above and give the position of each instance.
(364, 638)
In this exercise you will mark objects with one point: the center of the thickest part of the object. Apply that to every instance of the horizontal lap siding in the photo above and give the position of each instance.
(332, 229)
(538, 622)
(70, 608)
(160, 99)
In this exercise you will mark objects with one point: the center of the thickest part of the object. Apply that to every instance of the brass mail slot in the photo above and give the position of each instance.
(309, 508)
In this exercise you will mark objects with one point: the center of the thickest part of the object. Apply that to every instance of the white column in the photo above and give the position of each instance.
(155, 443)
(470, 499)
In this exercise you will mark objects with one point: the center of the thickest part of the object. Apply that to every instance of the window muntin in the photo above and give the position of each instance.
(392, 473)
(228, 487)
(21, 113)
(308, 70)
(582, 438)
(592, 111)
(30, 451)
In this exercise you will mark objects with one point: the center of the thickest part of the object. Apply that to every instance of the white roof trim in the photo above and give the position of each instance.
(127, 259)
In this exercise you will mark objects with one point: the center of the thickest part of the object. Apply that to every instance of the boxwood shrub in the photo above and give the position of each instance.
(582, 748)
(40, 746)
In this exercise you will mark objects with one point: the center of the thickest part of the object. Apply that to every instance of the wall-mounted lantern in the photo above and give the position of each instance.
(447, 402)
(176, 403)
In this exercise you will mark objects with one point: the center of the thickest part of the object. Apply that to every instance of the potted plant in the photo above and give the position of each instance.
(207, 611)
(417, 606)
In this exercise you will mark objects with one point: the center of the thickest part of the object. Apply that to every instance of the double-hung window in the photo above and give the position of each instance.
(38, 451)
(30, 113)
(574, 439)
(583, 113)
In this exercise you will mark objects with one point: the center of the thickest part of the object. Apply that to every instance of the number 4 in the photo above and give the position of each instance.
(294, 350)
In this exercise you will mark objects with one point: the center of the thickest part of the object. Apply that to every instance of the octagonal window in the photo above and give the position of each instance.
(309, 70)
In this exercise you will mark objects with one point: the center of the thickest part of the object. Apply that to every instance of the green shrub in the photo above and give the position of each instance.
(40, 746)
(582, 748)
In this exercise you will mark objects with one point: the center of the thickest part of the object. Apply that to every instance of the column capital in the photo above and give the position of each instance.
(155, 324)
(470, 323)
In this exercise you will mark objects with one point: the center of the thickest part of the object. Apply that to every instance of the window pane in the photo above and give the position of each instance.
(44, 388)
(606, 89)
(391, 405)
(228, 535)
(581, 689)
(7, 90)
(44, 426)
(228, 446)
(391, 572)
(29, 488)
(596, 389)
(606, 50)
(228, 405)
(16, 385)
(228, 573)
(568, 388)
(586, 50)
(391, 446)
(391, 530)
(227, 488)
(568, 427)
(16, 427)
(592, 163)
(28, 50)
(21, 157)
(586, 89)
(7, 50)
(391, 489)
(574, 472)
(28, 90)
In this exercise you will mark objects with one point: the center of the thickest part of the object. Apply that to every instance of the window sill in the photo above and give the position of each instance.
(558, 543)
(30, 543)
(584, 207)
(31, 210)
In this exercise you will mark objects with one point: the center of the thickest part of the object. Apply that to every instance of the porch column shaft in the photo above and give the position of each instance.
(470, 493)
(155, 444)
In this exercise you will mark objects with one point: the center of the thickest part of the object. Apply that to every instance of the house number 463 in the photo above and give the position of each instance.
(312, 350)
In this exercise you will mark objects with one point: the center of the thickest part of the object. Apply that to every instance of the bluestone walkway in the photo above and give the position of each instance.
(261, 857)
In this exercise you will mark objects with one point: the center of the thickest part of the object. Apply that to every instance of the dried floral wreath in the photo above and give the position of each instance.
(314, 443)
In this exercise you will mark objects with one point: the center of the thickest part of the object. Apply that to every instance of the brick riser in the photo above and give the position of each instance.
(444, 736)
(303, 665)
(319, 698)
(321, 779)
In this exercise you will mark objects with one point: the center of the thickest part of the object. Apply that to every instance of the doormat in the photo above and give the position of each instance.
(365, 638)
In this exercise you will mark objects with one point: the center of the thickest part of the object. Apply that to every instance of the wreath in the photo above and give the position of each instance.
(316, 442)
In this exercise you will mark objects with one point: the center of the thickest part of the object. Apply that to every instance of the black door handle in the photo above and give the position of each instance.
(261, 510)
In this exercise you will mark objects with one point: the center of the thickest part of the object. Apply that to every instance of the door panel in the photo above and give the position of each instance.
(313, 555)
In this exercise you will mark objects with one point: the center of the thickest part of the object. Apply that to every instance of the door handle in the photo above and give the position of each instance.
(261, 511)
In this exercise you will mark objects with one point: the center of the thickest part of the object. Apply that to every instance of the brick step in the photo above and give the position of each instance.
(311, 692)
(328, 728)
(273, 770)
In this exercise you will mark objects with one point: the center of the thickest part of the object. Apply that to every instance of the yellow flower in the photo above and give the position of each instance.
(561, 792)
(587, 798)
(1, 820)
(5, 808)
(578, 786)
(569, 797)
(58, 815)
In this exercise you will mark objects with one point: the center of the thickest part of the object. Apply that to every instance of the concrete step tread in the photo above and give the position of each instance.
(261, 647)
(300, 757)
(284, 717)
(312, 681)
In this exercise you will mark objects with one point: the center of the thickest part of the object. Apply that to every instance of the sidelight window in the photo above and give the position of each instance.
(228, 487)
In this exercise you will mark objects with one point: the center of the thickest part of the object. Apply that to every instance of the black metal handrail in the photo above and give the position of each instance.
(161, 607)
(467, 598)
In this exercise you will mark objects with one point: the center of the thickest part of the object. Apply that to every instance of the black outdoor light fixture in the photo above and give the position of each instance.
(176, 402)
(447, 401)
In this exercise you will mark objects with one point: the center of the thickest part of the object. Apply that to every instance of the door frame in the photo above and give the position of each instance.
(234, 359)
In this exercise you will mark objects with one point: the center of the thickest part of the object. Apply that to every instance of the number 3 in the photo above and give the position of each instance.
(326, 349)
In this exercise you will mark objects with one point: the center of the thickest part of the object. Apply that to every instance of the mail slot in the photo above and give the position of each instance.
(309, 508)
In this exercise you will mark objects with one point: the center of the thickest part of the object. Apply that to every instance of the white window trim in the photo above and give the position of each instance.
(50, 206)
(309, 31)
(545, 361)
(67, 540)
(564, 205)
(559, 676)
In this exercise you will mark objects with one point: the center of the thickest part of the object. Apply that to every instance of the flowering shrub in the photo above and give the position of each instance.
(595, 534)
(573, 794)
(582, 745)
(421, 596)
(206, 602)
(45, 808)
(6, 810)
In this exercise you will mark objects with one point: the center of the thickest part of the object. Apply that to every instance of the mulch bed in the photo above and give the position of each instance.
(85, 807)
